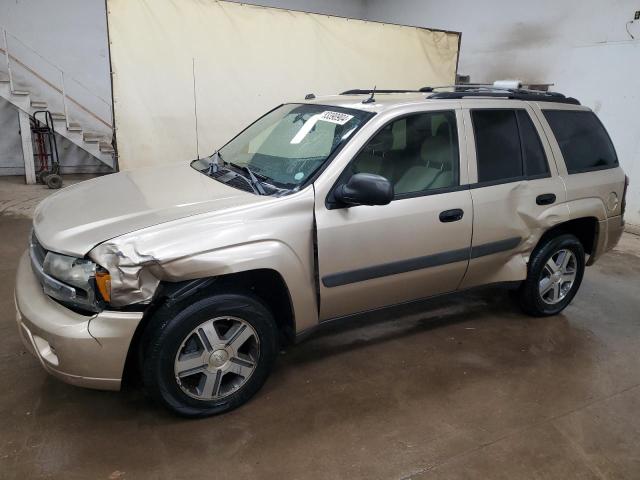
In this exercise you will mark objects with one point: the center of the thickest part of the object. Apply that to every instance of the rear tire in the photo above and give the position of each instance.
(208, 355)
(554, 275)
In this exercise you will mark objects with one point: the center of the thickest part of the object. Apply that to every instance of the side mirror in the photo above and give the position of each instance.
(365, 189)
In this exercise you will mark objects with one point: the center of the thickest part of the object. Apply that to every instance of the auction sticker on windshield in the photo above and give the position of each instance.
(338, 118)
(335, 117)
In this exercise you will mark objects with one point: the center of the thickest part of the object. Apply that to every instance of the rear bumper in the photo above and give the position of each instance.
(84, 350)
(609, 233)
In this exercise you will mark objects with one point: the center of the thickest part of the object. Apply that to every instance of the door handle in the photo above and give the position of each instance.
(546, 199)
(451, 215)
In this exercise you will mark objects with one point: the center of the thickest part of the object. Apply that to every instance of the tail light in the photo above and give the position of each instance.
(624, 195)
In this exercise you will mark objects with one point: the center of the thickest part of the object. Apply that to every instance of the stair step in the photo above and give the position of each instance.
(97, 144)
(93, 137)
(106, 147)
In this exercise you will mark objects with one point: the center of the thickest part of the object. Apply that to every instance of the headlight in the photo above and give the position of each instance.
(70, 270)
(83, 274)
(72, 281)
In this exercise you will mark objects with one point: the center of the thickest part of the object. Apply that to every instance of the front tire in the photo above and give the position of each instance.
(554, 276)
(209, 356)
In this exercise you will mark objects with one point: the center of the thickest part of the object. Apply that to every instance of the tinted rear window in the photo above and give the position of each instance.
(497, 145)
(584, 142)
(535, 161)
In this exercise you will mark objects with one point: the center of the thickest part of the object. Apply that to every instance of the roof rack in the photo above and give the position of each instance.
(479, 90)
(493, 91)
(357, 91)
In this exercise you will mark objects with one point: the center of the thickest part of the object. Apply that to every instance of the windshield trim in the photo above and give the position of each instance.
(366, 117)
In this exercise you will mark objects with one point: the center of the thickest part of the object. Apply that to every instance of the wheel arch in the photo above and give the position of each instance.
(265, 283)
(586, 229)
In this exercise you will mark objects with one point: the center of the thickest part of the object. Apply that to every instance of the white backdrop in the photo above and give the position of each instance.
(248, 59)
(582, 46)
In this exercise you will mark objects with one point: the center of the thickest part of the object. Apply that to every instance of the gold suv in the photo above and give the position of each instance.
(195, 274)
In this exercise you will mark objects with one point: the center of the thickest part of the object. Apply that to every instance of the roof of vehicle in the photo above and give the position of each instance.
(383, 101)
(380, 100)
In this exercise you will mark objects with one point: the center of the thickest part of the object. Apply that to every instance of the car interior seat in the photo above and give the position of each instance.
(435, 168)
(375, 158)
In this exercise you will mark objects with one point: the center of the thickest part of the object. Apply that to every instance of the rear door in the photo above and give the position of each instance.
(514, 184)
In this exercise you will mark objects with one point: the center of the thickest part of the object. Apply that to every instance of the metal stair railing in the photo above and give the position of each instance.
(11, 57)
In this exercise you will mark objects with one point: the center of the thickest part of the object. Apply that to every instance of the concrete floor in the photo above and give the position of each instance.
(462, 387)
(16, 198)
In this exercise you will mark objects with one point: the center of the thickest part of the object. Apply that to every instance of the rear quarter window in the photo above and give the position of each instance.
(583, 141)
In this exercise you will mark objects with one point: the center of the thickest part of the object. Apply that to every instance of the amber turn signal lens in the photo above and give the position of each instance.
(103, 281)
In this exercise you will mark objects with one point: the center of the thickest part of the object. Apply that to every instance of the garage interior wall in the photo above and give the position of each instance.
(582, 46)
(73, 35)
(188, 76)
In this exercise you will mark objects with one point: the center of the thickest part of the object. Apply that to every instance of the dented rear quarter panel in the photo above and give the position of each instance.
(596, 194)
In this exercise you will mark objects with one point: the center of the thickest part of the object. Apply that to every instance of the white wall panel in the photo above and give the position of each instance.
(582, 46)
(248, 59)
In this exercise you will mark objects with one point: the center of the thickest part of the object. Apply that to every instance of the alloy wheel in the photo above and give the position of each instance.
(217, 358)
(558, 276)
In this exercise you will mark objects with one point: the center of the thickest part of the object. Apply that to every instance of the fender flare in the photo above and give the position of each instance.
(266, 254)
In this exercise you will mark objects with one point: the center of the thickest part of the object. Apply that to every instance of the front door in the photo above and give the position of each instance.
(414, 247)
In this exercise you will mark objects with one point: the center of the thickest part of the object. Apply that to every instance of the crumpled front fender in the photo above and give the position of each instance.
(276, 235)
(132, 280)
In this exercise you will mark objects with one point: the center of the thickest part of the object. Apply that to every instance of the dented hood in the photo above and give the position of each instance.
(75, 219)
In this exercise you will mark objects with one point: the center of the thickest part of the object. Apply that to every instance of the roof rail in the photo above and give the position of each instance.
(357, 91)
(478, 90)
(462, 91)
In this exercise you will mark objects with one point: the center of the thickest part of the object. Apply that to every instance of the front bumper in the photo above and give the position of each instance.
(84, 350)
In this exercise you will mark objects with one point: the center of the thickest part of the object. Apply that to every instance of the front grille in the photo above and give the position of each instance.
(38, 250)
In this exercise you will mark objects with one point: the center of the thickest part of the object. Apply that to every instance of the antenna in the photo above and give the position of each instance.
(195, 104)
(371, 99)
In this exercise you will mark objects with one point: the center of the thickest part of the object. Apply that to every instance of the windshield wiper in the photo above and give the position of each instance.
(253, 180)
(214, 165)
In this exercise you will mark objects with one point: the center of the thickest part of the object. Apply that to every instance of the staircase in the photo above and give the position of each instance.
(20, 91)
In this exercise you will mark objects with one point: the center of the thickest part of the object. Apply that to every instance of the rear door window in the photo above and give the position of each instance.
(583, 141)
(508, 147)
(535, 160)
(497, 145)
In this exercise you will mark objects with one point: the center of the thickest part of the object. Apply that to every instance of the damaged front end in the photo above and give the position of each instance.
(131, 280)
(110, 277)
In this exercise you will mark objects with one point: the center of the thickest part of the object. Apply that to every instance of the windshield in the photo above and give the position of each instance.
(284, 148)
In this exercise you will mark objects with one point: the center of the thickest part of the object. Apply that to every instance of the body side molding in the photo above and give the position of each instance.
(418, 263)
